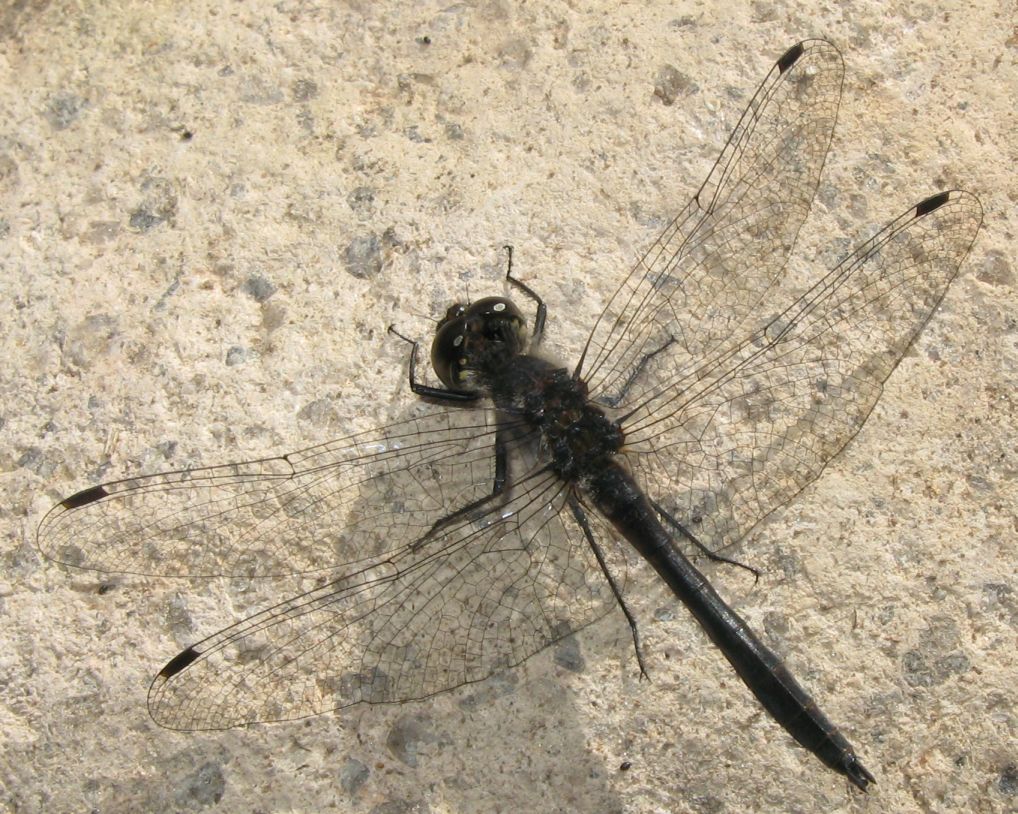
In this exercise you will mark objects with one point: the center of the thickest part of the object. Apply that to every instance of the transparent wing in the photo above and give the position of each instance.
(335, 504)
(726, 442)
(702, 279)
(484, 594)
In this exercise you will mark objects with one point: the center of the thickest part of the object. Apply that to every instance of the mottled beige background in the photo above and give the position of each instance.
(209, 215)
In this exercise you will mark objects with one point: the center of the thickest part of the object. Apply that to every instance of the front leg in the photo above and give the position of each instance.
(542, 309)
(426, 391)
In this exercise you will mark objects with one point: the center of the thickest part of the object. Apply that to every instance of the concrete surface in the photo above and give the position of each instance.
(210, 213)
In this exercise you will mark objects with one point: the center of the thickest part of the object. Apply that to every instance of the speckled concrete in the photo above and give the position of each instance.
(207, 220)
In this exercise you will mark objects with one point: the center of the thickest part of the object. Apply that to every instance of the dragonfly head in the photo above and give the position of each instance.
(471, 336)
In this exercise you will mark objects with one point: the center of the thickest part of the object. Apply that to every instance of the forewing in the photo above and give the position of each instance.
(482, 595)
(700, 282)
(731, 440)
(335, 504)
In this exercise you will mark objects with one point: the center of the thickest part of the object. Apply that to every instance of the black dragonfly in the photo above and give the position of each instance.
(465, 539)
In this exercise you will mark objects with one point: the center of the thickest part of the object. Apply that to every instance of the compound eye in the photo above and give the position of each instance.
(447, 349)
(498, 307)
(456, 311)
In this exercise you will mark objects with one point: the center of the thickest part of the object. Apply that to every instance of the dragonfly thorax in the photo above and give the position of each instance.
(576, 435)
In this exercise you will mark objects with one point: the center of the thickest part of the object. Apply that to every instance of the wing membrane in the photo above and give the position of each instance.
(335, 504)
(739, 435)
(486, 593)
(699, 283)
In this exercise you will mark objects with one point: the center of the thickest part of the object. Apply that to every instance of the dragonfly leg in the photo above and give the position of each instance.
(637, 371)
(497, 490)
(542, 310)
(670, 520)
(427, 391)
(581, 518)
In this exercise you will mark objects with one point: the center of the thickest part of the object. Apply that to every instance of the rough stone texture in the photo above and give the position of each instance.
(180, 192)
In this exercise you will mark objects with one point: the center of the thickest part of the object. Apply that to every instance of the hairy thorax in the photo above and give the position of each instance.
(576, 435)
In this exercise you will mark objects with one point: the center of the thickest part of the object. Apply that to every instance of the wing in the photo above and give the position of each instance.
(724, 444)
(702, 279)
(486, 593)
(332, 505)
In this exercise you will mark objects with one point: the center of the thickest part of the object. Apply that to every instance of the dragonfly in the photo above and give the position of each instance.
(462, 540)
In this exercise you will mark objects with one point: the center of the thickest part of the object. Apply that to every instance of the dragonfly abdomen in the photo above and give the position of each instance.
(620, 499)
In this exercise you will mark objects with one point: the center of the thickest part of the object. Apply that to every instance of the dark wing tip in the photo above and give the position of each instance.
(931, 203)
(790, 57)
(178, 662)
(84, 497)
